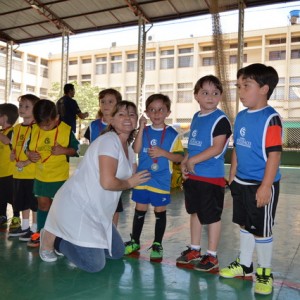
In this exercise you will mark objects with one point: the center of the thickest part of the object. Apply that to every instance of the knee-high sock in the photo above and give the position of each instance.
(264, 249)
(137, 226)
(41, 219)
(160, 226)
(247, 245)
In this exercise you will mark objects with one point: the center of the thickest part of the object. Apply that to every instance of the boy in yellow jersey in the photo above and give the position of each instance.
(8, 116)
(24, 170)
(51, 144)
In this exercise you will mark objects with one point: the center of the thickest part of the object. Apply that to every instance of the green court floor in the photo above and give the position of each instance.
(24, 276)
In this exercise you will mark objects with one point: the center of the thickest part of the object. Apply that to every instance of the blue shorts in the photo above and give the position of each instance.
(147, 197)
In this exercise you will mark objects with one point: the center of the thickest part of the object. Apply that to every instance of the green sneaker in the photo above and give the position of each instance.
(264, 281)
(131, 247)
(156, 252)
(15, 223)
(235, 269)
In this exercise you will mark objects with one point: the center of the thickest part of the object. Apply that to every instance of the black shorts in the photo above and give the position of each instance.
(120, 205)
(257, 220)
(23, 195)
(204, 199)
(6, 191)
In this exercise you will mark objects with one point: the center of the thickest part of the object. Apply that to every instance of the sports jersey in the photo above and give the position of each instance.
(168, 139)
(6, 166)
(94, 130)
(20, 139)
(201, 137)
(52, 168)
(255, 134)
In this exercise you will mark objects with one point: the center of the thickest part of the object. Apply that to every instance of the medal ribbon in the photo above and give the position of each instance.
(55, 139)
(18, 156)
(161, 140)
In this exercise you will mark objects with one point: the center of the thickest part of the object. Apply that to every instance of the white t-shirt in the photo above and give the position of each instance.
(82, 210)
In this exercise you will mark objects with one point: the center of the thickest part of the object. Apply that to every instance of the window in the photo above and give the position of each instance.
(185, 61)
(101, 59)
(16, 54)
(116, 57)
(101, 69)
(3, 50)
(295, 39)
(208, 61)
(116, 68)
(207, 48)
(86, 60)
(131, 66)
(185, 50)
(16, 86)
(233, 59)
(2, 61)
(295, 80)
(277, 55)
(44, 62)
(30, 89)
(17, 65)
(150, 64)
(73, 78)
(43, 91)
(295, 54)
(72, 62)
(130, 93)
(132, 56)
(44, 72)
(150, 54)
(168, 62)
(31, 69)
(167, 52)
(31, 58)
(277, 41)
(86, 76)
(278, 93)
(185, 92)
(167, 89)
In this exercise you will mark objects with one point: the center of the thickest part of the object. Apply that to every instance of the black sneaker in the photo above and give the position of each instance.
(18, 232)
(3, 222)
(26, 237)
(207, 263)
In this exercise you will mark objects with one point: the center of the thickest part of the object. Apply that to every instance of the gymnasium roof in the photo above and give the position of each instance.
(23, 21)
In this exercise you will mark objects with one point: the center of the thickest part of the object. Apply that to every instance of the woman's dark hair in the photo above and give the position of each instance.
(119, 105)
(44, 110)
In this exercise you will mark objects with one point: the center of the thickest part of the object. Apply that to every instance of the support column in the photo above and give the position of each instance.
(8, 71)
(64, 60)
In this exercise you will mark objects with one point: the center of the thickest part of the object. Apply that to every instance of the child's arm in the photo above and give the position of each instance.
(233, 166)
(183, 167)
(263, 194)
(4, 139)
(156, 152)
(138, 142)
(60, 150)
(214, 150)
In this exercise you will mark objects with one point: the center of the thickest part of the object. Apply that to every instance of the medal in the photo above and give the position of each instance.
(20, 169)
(154, 167)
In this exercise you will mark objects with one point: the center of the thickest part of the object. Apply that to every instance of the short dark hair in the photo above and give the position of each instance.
(210, 79)
(44, 110)
(30, 97)
(262, 74)
(110, 91)
(164, 98)
(68, 87)
(11, 111)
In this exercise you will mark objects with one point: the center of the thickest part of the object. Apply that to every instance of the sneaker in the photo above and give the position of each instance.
(264, 281)
(26, 237)
(156, 252)
(189, 256)
(3, 222)
(131, 247)
(235, 269)
(207, 263)
(18, 232)
(15, 223)
(34, 240)
(46, 255)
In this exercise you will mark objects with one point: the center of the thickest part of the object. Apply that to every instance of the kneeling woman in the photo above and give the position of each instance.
(79, 223)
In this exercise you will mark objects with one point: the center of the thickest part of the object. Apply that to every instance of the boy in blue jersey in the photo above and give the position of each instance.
(203, 171)
(254, 174)
(158, 145)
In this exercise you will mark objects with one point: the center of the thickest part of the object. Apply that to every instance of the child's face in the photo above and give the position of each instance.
(157, 111)
(107, 104)
(251, 94)
(25, 109)
(49, 124)
(3, 119)
(208, 97)
(125, 120)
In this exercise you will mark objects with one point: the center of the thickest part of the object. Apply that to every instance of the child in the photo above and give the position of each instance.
(51, 144)
(108, 99)
(8, 117)
(254, 174)
(158, 146)
(24, 170)
(203, 169)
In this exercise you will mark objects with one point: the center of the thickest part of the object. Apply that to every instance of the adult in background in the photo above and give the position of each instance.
(79, 224)
(68, 108)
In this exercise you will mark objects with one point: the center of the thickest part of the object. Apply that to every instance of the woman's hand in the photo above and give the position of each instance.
(139, 178)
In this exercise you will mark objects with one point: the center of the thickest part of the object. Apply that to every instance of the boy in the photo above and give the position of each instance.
(254, 174)
(8, 117)
(24, 170)
(203, 169)
(158, 145)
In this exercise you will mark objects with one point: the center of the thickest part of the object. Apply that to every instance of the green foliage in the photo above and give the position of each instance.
(85, 95)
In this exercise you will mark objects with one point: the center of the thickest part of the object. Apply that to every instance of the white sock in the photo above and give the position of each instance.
(195, 247)
(212, 253)
(264, 249)
(34, 227)
(25, 224)
(247, 245)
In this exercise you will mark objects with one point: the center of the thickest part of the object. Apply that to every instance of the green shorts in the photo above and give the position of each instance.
(46, 189)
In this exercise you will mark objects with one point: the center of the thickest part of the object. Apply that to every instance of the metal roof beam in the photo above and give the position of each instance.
(133, 5)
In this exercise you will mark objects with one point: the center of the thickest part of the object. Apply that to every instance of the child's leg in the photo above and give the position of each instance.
(195, 230)
(214, 231)
(264, 249)
(247, 245)
(138, 221)
(160, 223)
(25, 219)
(34, 221)
(44, 204)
